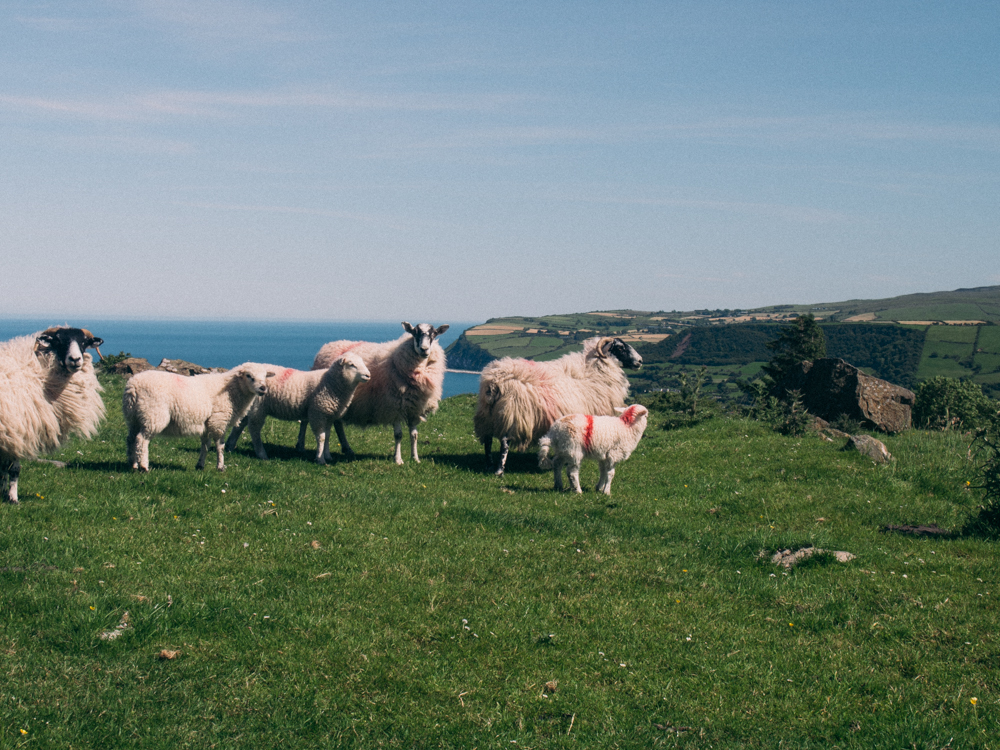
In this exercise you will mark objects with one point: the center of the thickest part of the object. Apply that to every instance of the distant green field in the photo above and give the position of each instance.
(989, 339)
(958, 311)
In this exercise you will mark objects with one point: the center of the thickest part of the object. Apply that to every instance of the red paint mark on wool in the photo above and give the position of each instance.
(588, 432)
(628, 416)
(285, 375)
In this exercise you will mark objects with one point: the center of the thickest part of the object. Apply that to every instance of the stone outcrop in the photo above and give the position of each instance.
(129, 367)
(866, 445)
(181, 367)
(831, 387)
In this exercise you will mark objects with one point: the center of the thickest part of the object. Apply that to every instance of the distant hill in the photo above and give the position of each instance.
(902, 339)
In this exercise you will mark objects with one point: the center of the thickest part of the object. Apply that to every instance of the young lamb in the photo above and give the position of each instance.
(607, 440)
(519, 399)
(157, 402)
(405, 386)
(314, 397)
(48, 391)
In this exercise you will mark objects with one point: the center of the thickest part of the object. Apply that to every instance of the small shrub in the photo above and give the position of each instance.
(946, 403)
(110, 360)
(986, 453)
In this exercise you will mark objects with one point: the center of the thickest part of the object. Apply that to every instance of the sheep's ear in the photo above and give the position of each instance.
(621, 409)
(441, 329)
(269, 374)
(407, 327)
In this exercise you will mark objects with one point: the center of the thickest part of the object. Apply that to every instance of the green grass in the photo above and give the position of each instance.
(438, 600)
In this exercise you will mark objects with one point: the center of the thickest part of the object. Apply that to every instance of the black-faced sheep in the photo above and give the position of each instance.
(519, 399)
(405, 386)
(48, 391)
(607, 440)
(313, 397)
(157, 402)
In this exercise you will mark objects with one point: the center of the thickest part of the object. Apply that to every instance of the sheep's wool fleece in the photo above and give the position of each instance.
(403, 385)
(520, 398)
(41, 405)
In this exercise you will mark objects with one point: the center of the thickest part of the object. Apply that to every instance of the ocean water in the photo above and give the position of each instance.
(229, 343)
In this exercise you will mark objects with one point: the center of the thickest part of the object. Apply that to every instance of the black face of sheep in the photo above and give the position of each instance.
(624, 353)
(68, 345)
(423, 336)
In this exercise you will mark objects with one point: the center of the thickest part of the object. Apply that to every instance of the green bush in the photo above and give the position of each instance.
(944, 403)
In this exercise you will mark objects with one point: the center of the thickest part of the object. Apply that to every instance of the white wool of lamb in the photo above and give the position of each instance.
(41, 404)
(164, 403)
(607, 440)
(313, 397)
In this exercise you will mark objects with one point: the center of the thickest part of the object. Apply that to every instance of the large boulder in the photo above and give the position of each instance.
(831, 387)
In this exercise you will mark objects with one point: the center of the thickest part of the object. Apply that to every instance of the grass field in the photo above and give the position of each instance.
(434, 605)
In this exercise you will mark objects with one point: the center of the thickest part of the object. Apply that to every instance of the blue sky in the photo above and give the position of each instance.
(457, 161)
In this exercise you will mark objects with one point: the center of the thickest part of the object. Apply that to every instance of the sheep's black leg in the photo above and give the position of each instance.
(300, 444)
(342, 437)
(504, 449)
(12, 473)
(488, 447)
(234, 436)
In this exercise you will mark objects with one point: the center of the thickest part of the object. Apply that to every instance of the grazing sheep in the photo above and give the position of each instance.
(157, 402)
(519, 399)
(607, 440)
(48, 391)
(405, 386)
(314, 397)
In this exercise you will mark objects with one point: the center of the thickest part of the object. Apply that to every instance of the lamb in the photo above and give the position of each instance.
(48, 391)
(406, 380)
(157, 402)
(519, 399)
(316, 397)
(607, 440)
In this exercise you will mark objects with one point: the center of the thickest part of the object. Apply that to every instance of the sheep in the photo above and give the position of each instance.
(607, 440)
(314, 397)
(157, 402)
(519, 399)
(406, 380)
(48, 391)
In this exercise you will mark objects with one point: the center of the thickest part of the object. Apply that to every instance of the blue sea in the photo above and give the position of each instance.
(229, 343)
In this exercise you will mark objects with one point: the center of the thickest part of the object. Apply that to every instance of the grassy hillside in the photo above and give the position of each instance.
(283, 604)
(903, 339)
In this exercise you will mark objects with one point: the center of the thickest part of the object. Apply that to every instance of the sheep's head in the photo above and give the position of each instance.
(353, 368)
(68, 346)
(423, 336)
(253, 377)
(636, 413)
(621, 351)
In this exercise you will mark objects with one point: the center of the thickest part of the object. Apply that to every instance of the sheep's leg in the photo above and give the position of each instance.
(413, 440)
(488, 447)
(204, 452)
(300, 444)
(397, 432)
(132, 445)
(607, 471)
(234, 435)
(557, 470)
(610, 475)
(342, 437)
(11, 475)
(321, 429)
(258, 444)
(574, 474)
(142, 451)
(504, 450)
(220, 446)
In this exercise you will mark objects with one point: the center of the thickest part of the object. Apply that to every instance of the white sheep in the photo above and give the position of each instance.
(607, 440)
(48, 391)
(157, 402)
(405, 386)
(519, 399)
(314, 397)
